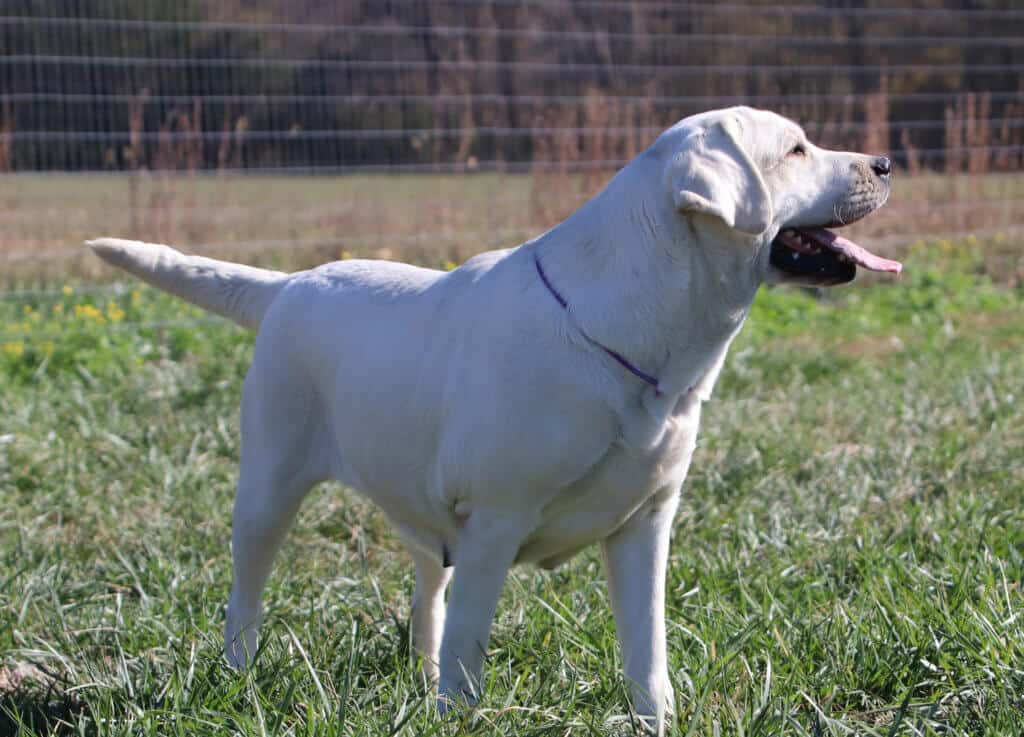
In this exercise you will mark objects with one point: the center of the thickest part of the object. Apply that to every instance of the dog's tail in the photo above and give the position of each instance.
(240, 293)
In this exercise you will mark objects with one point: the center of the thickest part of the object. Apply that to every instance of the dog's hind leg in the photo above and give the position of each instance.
(428, 612)
(264, 510)
(282, 459)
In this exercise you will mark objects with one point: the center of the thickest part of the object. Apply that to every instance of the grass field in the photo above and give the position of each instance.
(847, 560)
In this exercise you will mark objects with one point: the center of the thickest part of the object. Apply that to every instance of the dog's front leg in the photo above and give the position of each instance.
(487, 548)
(636, 556)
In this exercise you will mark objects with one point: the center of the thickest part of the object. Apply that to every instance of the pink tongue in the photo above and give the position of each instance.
(857, 254)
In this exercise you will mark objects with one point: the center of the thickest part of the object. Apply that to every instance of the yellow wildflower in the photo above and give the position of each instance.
(13, 348)
(114, 312)
(27, 309)
(136, 298)
(89, 312)
(449, 265)
(346, 255)
(58, 309)
(68, 291)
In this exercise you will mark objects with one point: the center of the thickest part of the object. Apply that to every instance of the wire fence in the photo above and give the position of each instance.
(290, 133)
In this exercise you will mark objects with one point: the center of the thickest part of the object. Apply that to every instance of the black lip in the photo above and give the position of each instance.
(823, 268)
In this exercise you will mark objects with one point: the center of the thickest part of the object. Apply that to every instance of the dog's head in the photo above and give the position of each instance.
(756, 173)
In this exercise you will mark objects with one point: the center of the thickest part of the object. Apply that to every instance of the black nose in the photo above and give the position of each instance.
(881, 166)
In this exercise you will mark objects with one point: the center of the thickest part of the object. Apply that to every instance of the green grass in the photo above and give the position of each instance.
(847, 559)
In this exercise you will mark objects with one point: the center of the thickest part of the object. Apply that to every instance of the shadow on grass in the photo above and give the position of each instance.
(34, 702)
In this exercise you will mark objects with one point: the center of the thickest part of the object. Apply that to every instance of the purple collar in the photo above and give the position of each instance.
(642, 375)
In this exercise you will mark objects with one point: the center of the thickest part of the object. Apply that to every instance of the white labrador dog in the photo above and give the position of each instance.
(535, 400)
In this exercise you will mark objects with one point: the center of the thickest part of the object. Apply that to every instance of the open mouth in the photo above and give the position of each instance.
(821, 257)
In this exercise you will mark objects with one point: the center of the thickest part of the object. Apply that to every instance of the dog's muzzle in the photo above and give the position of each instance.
(822, 257)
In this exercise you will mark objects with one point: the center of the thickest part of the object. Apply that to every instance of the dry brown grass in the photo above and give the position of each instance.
(296, 221)
(300, 221)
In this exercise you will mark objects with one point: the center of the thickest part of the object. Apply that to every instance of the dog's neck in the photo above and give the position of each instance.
(666, 291)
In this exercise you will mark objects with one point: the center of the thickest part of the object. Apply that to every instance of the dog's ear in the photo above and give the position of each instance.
(716, 176)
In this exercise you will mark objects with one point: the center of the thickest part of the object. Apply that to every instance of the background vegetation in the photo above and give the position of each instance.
(509, 114)
(214, 84)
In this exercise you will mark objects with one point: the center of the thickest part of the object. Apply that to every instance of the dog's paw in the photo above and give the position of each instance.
(455, 698)
(670, 698)
(645, 703)
(240, 643)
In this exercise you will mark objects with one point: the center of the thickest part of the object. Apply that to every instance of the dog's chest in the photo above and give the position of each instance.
(602, 500)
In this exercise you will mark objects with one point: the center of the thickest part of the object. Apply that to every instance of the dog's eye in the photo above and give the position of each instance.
(798, 150)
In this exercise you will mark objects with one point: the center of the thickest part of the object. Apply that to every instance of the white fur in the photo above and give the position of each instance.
(485, 420)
